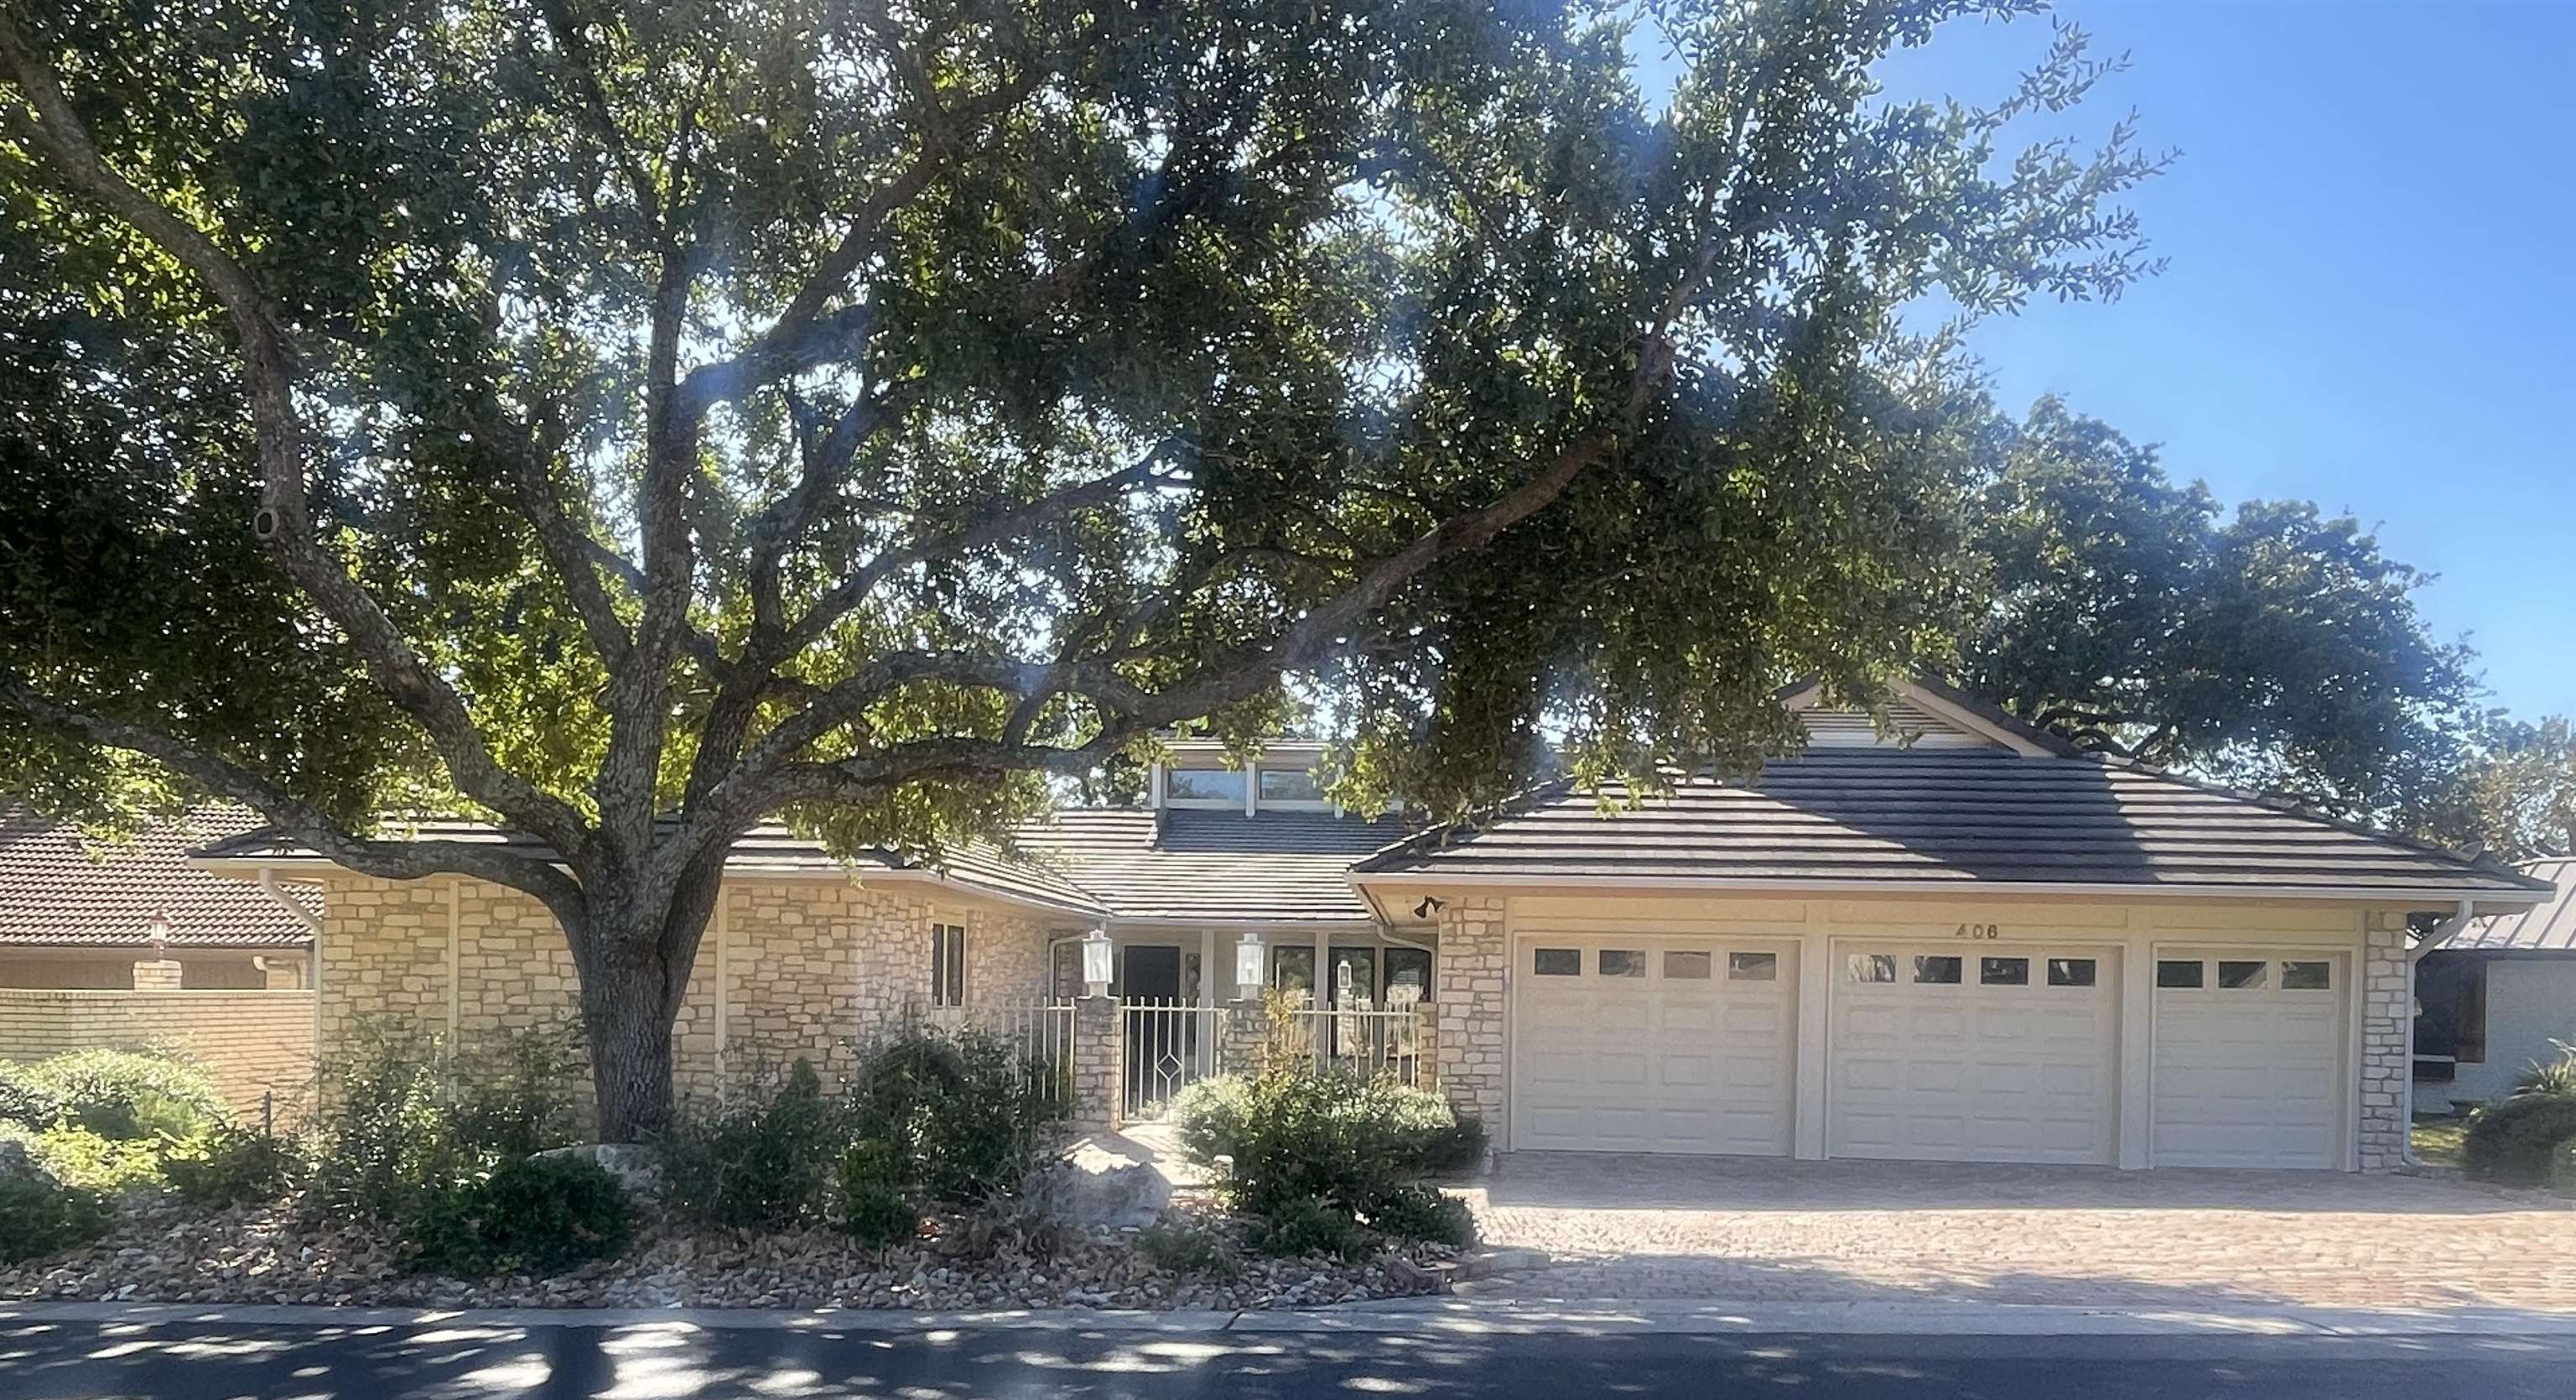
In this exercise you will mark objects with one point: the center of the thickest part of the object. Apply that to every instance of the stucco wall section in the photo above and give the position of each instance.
(1468, 971)
(254, 1043)
(2530, 1002)
(2387, 1010)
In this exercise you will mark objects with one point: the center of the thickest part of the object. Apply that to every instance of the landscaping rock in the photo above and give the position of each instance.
(17, 1162)
(1094, 1187)
(635, 1166)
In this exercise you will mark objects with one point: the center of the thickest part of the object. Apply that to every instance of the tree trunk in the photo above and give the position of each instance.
(627, 1020)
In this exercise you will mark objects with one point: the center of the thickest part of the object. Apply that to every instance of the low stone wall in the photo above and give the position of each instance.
(255, 1043)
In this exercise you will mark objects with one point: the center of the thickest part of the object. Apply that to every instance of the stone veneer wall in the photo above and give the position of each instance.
(2387, 1064)
(254, 1043)
(1467, 972)
(806, 966)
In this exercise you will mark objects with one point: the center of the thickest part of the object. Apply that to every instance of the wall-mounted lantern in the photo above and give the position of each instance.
(1247, 966)
(1096, 963)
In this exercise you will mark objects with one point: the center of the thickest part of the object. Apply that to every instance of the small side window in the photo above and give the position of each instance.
(2178, 972)
(1871, 967)
(1944, 971)
(2243, 976)
(1622, 962)
(2070, 972)
(2003, 972)
(1753, 967)
(1686, 967)
(1556, 962)
(2307, 976)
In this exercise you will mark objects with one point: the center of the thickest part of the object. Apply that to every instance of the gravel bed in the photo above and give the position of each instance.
(278, 1254)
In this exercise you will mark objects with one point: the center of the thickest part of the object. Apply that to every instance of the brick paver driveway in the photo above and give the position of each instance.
(1761, 1229)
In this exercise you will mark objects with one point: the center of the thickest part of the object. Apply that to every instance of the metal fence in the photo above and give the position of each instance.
(1367, 1042)
(1040, 1035)
(1170, 1046)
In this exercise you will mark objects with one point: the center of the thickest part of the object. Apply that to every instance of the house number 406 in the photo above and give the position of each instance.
(1980, 931)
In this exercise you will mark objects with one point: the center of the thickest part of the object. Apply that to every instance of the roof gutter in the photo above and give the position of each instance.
(268, 886)
(2488, 900)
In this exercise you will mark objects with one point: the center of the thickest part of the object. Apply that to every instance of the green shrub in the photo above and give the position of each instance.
(967, 1116)
(229, 1166)
(762, 1159)
(404, 1117)
(875, 1190)
(1186, 1246)
(2512, 1141)
(40, 1216)
(1414, 1212)
(80, 1158)
(2554, 1079)
(1412, 1132)
(539, 1215)
(25, 1100)
(1297, 1225)
(129, 1095)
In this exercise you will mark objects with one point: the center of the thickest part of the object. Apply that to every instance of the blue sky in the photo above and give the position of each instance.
(2372, 297)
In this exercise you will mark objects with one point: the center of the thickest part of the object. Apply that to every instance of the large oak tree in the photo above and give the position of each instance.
(634, 421)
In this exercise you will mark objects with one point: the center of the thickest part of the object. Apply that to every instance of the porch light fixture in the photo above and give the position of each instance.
(156, 931)
(1095, 962)
(1247, 966)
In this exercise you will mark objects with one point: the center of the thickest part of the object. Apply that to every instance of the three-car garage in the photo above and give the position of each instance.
(1971, 1049)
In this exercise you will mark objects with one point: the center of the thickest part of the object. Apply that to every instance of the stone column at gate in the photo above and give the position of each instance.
(1468, 973)
(1099, 1087)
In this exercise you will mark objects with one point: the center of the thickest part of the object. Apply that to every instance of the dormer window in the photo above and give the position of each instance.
(1284, 786)
(1213, 787)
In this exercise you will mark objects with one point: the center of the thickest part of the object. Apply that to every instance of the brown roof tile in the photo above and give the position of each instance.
(55, 892)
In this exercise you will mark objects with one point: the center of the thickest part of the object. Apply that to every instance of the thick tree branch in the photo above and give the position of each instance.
(284, 523)
(390, 860)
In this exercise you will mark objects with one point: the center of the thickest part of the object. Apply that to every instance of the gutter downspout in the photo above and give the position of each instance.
(268, 886)
(2442, 933)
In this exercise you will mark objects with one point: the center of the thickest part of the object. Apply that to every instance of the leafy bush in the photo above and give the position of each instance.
(1186, 1246)
(1296, 1225)
(762, 1159)
(25, 1100)
(79, 1158)
(1413, 1130)
(229, 1166)
(41, 1216)
(2512, 1141)
(538, 1215)
(965, 1115)
(1422, 1213)
(404, 1117)
(2555, 1079)
(876, 1205)
(124, 1095)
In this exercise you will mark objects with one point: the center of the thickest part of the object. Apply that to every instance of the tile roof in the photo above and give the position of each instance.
(1199, 864)
(2543, 928)
(56, 892)
(1947, 817)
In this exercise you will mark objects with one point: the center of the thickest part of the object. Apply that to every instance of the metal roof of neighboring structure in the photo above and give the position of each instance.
(57, 892)
(1912, 818)
(2543, 928)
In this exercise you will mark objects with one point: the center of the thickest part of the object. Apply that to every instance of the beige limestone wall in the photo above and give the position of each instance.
(2387, 1051)
(1467, 979)
(255, 1043)
(788, 968)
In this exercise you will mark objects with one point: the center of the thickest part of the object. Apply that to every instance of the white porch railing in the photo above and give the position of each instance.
(1170, 1046)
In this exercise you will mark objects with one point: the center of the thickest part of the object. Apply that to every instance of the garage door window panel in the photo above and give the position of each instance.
(1939, 971)
(2178, 972)
(2307, 977)
(1871, 967)
(2003, 972)
(1622, 962)
(2070, 972)
(1753, 967)
(1686, 967)
(1556, 962)
(2242, 976)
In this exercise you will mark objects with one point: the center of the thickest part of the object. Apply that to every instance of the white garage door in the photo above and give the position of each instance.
(2249, 1060)
(1982, 1053)
(1652, 1045)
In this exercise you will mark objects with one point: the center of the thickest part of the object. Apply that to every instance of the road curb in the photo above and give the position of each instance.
(1394, 1317)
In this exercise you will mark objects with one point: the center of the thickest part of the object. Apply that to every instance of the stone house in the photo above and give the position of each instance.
(1959, 940)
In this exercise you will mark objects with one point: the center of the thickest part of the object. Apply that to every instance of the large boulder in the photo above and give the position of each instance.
(635, 1166)
(1097, 1186)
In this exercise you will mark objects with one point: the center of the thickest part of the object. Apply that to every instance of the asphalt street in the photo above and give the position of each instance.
(58, 1360)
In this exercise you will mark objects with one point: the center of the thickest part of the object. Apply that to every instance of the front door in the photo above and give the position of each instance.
(1163, 1043)
(1153, 973)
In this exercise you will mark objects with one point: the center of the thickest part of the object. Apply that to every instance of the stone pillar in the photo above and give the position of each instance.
(281, 974)
(2387, 1000)
(1243, 1035)
(1426, 1024)
(1467, 976)
(157, 975)
(1099, 1065)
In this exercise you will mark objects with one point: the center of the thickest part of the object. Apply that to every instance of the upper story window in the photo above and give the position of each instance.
(1280, 786)
(1213, 786)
